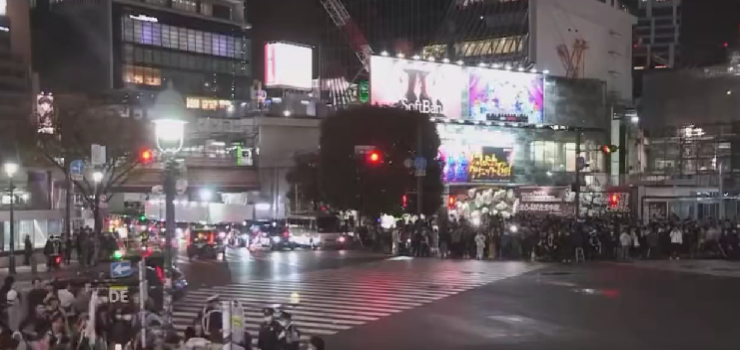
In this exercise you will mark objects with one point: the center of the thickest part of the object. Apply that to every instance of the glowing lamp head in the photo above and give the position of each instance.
(11, 169)
(374, 157)
(97, 176)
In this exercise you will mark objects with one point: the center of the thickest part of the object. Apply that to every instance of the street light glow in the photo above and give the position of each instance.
(206, 194)
(97, 176)
(11, 169)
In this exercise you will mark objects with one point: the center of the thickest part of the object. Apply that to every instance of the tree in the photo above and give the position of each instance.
(304, 192)
(349, 181)
(81, 123)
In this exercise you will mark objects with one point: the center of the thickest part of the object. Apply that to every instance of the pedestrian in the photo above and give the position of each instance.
(290, 337)
(676, 242)
(27, 250)
(625, 241)
(36, 296)
(210, 320)
(316, 343)
(269, 331)
(68, 245)
(480, 245)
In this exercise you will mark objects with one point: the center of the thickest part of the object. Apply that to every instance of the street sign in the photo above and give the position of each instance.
(118, 294)
(77, 170)
(420, 163)
(363, 149)
(97, 154)
(420, 172)
(120, 269)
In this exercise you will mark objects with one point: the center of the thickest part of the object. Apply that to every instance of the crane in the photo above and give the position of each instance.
(573, 61)
(343, 21)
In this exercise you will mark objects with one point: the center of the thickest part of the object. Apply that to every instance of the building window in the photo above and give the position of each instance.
(205, 8)
(156, 34)
(185, 5)
(141, 75)
(157, 2)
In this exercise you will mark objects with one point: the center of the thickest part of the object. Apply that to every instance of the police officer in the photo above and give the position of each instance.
(290, 336)
(210, 321)
(269, 331)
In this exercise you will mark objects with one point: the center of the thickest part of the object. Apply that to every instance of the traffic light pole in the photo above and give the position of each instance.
(419, 179)
(578, 173)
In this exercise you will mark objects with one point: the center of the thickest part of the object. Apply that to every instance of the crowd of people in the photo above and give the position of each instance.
(58, 315)
(563, 239)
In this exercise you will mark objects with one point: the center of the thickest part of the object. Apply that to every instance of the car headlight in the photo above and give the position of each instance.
(341, 239)
(276, 239)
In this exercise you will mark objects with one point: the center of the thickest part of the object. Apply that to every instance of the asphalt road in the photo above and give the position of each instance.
(595, 306)
(358, 300)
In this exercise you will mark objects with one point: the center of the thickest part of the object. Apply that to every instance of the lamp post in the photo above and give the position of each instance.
(97, 177)
(10, 170)
(170, 116)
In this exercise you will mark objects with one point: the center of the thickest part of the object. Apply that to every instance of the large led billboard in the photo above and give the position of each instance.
(428, 87)
(288, 66)
(456, 92)
(475, 154)
(495, 94)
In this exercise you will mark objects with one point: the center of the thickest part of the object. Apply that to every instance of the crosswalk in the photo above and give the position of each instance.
(326, 302)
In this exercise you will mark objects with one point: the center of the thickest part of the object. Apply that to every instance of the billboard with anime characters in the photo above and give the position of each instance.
(502, 95)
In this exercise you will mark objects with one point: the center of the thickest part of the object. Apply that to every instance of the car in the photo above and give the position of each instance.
(205, 243)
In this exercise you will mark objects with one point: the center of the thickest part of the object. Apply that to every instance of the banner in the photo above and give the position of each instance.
(428, 87)
(45, 113)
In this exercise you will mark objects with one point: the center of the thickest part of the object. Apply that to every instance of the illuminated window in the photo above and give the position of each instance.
(209, 104)
(488, 47)
(435, 51)
(192, 103)
(185, 5)
(205, 8)
(157, 2)
(141, 75)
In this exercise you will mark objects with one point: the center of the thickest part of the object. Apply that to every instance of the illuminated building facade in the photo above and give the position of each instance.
(139, 46)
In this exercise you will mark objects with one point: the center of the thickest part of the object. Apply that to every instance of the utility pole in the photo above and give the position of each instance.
(419, 176)
(579, 164)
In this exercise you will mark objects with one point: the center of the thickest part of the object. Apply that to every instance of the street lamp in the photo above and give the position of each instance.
(10, 170)
(170, 116)
(206, 194)
(97, 177)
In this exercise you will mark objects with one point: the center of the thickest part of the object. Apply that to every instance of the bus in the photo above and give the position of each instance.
(319, 231)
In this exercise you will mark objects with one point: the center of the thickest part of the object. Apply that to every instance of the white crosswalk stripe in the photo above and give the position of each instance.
(329, 301)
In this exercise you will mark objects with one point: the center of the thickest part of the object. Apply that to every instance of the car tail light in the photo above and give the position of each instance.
(210, 238)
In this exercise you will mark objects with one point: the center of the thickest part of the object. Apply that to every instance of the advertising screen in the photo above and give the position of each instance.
(497, 95)
(45, 113)
(288, 66)
(474, 154)
(427, 87)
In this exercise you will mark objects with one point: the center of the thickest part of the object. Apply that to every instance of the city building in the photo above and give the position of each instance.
(568, 38)
(657, 34)
(127, 50)
(36, 212)
(692, 149)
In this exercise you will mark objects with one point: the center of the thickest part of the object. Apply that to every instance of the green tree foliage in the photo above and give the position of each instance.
(304, 183)
(349, 181)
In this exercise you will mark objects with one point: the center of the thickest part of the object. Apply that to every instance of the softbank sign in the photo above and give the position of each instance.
(426, 87)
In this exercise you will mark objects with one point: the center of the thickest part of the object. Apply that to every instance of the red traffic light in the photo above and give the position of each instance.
(451, 201)
(613, 199)
(609, 149)
(404, 201)
(146, 156)
(374, 157)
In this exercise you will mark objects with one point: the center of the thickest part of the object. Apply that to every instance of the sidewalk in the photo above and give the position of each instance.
(719, 268)
(24, 276)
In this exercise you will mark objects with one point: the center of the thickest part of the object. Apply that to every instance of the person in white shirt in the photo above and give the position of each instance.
(676, 242)
(625, 240)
